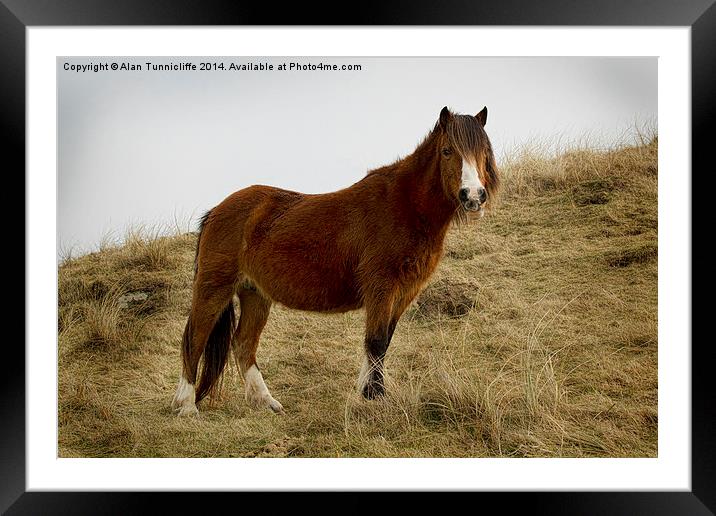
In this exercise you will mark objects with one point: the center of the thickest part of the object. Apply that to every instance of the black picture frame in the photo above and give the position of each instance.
(17, 15)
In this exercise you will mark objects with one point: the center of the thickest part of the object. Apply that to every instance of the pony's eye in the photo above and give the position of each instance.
(447, 152)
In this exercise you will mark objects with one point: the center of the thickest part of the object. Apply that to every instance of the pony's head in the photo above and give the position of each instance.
(467, 164)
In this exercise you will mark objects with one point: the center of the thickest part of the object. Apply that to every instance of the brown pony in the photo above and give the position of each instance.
(373, 245)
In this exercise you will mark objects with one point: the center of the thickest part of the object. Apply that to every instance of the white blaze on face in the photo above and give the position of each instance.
(471, 180)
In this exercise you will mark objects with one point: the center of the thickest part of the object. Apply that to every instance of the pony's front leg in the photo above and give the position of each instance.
(380, 324)
(371, 378)
(381, 320)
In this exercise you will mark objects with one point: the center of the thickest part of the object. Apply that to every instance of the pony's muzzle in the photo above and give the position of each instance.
(472, 199)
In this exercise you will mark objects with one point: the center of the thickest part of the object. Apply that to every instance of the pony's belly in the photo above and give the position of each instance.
(312, 306)
(316, 301)
(316, 293)
(302, 265)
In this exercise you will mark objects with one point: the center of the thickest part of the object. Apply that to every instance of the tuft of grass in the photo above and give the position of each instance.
(537, 337)
(533, 171)
(105, 327)
(147, 249)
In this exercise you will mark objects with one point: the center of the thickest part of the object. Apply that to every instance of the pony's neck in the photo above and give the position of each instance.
(433, 210)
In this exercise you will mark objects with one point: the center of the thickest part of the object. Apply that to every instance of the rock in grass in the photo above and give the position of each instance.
(132, 299)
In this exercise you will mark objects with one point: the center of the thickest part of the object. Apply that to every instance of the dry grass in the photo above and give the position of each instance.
(537, 337)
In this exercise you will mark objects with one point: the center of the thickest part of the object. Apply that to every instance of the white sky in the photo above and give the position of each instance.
(147, 147)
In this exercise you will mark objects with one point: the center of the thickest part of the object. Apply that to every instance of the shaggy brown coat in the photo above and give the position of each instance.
(373, 245)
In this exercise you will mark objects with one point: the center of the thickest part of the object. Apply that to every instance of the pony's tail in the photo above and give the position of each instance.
(215, 353)
(217, 346)
(202, 223)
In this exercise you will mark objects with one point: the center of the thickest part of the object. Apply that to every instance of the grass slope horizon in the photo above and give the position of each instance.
(536, 337)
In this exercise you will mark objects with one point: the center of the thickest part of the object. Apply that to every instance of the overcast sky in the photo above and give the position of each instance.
(146, 147)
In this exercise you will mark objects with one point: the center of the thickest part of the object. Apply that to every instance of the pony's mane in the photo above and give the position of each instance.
(467, 136)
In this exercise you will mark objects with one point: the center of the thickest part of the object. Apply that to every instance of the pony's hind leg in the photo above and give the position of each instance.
(255, 310)
(211, 317)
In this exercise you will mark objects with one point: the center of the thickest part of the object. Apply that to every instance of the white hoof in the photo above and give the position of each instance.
(184, 401)
(257, 394)
(188, 411)
(275, 406)
(268, 402)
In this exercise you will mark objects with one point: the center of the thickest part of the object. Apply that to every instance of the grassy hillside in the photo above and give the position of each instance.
(537, 336)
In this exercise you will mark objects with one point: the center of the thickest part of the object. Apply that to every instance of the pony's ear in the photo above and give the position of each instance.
(482, 116)
(445, 116)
